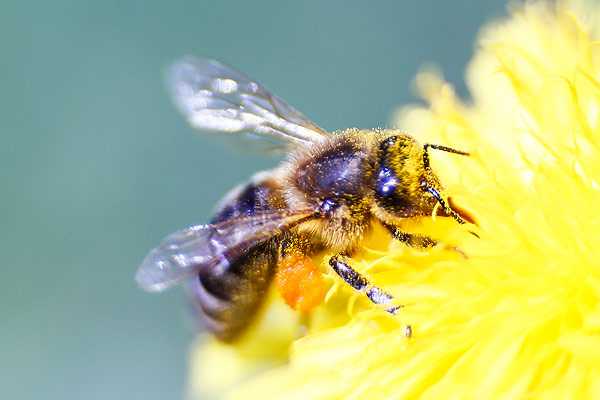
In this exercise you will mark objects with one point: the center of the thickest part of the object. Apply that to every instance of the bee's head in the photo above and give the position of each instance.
(405, 185)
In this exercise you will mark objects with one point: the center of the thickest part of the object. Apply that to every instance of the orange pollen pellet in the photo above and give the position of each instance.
(300, 283)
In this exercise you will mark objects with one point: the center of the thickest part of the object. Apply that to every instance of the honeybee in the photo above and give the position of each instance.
(326, 195)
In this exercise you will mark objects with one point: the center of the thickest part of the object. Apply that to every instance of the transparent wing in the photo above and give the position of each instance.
(213, 96)
(186, 252)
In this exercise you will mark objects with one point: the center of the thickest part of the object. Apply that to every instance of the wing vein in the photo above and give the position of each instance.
(213, 96)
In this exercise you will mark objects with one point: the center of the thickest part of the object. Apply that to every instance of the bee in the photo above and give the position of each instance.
(326, 195)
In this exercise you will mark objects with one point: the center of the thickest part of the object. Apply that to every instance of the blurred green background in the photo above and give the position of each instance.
(97, 166)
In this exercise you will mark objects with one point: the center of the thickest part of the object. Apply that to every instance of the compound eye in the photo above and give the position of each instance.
(386, 182)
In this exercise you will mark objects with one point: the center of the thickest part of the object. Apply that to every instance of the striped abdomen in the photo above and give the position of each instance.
(229, 297)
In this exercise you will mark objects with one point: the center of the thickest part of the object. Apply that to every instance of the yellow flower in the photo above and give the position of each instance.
(518, 318)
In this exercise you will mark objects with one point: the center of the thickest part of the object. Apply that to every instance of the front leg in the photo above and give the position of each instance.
(418, 241)
(411, 239)
(361, 284)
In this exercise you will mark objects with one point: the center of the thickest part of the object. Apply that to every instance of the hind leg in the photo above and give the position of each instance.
(298, 278)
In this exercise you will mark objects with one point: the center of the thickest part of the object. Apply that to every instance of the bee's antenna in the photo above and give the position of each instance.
(434, 191)
(445, 205)
(427, 146)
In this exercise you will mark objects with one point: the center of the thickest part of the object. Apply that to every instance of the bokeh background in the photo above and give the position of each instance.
(97, 166)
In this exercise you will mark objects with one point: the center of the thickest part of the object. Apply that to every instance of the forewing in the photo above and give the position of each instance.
(213, 96)
(186, 252)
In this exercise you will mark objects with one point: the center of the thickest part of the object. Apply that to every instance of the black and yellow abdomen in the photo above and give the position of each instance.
(229, 297)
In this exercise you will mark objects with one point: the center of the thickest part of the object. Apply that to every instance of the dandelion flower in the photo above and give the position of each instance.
(519, 317)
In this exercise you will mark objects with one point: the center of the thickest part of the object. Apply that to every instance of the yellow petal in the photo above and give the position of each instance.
(518, 318)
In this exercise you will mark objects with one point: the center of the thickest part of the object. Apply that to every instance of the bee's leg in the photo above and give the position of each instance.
(410, 239)
(361, 284)
(418, 241)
